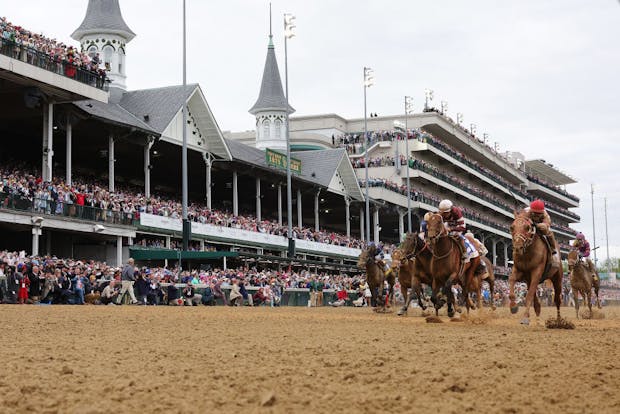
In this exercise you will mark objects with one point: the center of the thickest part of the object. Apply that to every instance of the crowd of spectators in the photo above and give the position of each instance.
(89, 199)
(50, 54)
(558, 189)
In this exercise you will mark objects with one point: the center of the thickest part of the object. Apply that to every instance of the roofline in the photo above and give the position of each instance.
(217, 127)
(109, 121)
(78, 34)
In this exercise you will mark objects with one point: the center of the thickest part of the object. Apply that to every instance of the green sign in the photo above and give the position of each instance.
(278, 160)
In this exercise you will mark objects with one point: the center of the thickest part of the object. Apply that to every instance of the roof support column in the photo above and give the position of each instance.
(111, 162)
(36, 232)
(505, 253)
(316, 210)
(202, 245)
(48, 141)
(299, 210)
(347, 214)
(168, 243)
(401, 224)
(209, 185)
(258, 201)
(362, 224)
(235, 195)
(147, 167)
(376, 225)
(119, 251)
(69, 139)
(494, 252)
(279, 204)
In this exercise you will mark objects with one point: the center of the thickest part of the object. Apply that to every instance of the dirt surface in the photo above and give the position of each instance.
(99, 359)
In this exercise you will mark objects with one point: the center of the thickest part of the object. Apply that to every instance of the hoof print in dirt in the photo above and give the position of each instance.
(268, 399)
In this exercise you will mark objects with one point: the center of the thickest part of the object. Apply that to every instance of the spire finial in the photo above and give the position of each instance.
(270, 32)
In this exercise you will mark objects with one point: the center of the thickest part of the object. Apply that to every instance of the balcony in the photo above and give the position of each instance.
(554, 194)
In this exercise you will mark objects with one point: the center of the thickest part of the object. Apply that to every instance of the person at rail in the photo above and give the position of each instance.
(455, 224)
(583, 247)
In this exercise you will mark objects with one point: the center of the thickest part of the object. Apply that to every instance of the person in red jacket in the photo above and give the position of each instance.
(24, 284)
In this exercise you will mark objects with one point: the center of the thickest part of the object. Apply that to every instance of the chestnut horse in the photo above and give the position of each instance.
(413, 262)
(447, 267)
(478, 279)
(582, 282)
(532, 258)
(374, 277)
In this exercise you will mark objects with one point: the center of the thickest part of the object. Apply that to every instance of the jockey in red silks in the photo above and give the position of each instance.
(539, 216)
(455, 224)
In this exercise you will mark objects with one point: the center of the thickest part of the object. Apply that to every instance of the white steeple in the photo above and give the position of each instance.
(271, 107)
(104, 32)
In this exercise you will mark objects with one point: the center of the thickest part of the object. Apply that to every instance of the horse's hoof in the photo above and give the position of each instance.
(493, 307)
(514, 309)
(451, 313)
(401, 312)
(525, 321)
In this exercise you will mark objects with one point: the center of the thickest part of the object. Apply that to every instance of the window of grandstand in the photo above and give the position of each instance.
(266, 128)
(278, 125)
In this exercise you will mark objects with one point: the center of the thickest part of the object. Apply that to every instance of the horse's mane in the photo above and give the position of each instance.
(520, 213)
(363, 259)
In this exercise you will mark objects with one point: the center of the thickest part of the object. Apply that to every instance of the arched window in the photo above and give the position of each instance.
(278, 126)
(108, 51)
(266, 129)
(121, 60)
(92, 51)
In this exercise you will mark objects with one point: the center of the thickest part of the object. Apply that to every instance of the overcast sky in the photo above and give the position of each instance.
(539, 76)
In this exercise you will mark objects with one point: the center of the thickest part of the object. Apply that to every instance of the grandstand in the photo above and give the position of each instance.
(445, 161)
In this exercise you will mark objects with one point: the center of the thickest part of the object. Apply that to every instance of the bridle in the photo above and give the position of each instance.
(526, 238)
(434, 239)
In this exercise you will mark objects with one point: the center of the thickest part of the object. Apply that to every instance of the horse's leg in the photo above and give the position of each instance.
(437, 302)
(557, 291)
(491, 281)
(589, 299)
(598, 301)
(403, 291)
(511, 282)
(447, 290)
(531, 293)
(576, 298)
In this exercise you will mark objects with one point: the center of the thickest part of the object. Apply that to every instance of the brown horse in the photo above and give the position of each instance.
(479, 278)
(374, 277)
(447, 267)
(532, 265)
(413, 262)
(582, 282)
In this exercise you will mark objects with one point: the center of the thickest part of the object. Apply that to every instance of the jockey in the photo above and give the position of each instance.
(423, 225)
(477, 243)
(539, 216)
(583, 247)
(455, 224)
(380, 258)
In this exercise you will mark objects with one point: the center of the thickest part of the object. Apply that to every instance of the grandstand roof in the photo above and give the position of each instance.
(271, 96)
(318, 167)
(103, 16)
(114, 113)
(541, 168)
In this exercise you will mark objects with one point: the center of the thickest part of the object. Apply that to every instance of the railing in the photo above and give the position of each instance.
(64, 209)
(552, 188)
(60, 67)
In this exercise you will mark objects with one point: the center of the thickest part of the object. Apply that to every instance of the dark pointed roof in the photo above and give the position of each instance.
(103, 16)
(271, 97)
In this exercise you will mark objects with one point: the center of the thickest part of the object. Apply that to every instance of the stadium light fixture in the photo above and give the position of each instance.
(472, 129)
(408, 110)
(459, 118)
(289, 26)
(429, 94)
(289, 33)
(444, 107)
(369, 80)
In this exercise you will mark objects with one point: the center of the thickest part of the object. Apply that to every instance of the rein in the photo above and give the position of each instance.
(527, 238)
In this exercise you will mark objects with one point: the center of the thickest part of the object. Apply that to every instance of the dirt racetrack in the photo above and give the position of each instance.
(96, 359)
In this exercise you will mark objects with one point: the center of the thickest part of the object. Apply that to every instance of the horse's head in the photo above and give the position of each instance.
(573, 258)
(522, 230)
(366, 257)
(435, 227)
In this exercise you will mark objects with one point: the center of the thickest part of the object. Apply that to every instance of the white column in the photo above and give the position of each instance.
(494, 252)
(225, 265)
(36, 232)
(168, 243)
(505, 253)
(202, 245)
(401, 224)
(111, 162)
(235, 195)
(119, 251)
(48, 141)
(129, 241)
(258, 202)
(316, 211)
(300, 214)
(362, 224)
(68, 174)
(48, 242)
(207, 159)
(279, 204)
(376, 225)
(347, 214)
(147, 168)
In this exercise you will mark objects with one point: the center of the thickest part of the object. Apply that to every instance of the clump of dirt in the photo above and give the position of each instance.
(595, 314)
(559, 323)
(433, 319)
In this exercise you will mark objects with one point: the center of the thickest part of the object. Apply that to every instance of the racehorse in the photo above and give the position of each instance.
(532, 265)
(375, 278)
(413, 262)
(447, 266)
(479, 277)
(582, 282)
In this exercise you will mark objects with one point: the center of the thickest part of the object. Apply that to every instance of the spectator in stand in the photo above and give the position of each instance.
(24, 284)
(236, 299)
(127, 281)
(191, 297)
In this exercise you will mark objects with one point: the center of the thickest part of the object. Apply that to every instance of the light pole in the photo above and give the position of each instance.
(428, 97)
(289, 32)
(408, 110)
(485, 137)
(369, 80)
(459, 119)
(472, 129)
(444, 107)
(593, 225)
(607, 239)
(186, 224)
